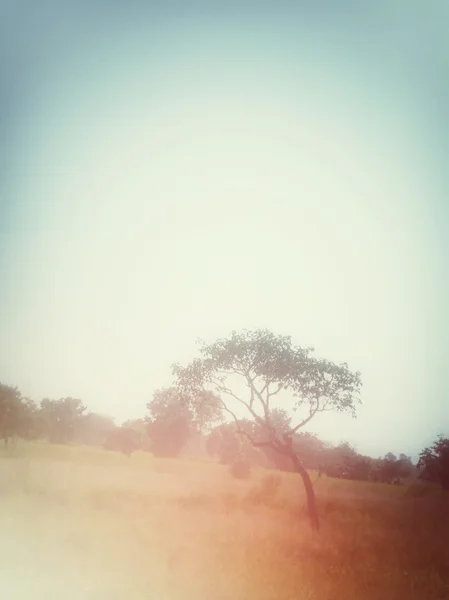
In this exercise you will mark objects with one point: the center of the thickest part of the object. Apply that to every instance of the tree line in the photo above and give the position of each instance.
(277, 386)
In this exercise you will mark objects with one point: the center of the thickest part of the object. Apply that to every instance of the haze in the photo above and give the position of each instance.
(171, 177)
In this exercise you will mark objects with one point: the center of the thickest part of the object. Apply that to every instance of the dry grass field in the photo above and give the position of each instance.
(82, 523)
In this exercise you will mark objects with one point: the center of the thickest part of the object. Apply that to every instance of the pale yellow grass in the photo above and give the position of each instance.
(88, 524)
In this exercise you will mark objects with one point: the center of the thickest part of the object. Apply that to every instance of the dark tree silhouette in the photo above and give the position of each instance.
(250, 370)
(434, 462)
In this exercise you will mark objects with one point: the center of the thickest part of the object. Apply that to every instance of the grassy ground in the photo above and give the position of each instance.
(81, 523)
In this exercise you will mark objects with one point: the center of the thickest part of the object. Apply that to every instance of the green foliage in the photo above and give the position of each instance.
(434, 462)
(61, 419)
(345, 462)
(269, 365)
(93, 429)
(170, 422)
(123, 439)
(174, 417)
(11, 411)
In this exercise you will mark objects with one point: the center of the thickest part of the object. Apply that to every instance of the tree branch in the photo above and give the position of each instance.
(222, 388)
(312, 413)
(256, 444)
(252, 441)
(260, 397)
(280, 387)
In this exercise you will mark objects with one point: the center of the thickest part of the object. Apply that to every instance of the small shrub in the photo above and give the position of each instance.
(240, 469)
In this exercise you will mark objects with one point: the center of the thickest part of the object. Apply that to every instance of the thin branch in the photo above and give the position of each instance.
(260, 398)
(232, 372)
(267, 400)
(251, 401)
(252, 441)
(280, 387)
(222, 388)
(242, 431)
(312, 413)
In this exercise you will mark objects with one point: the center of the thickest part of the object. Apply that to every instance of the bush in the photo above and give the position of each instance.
(240, 469)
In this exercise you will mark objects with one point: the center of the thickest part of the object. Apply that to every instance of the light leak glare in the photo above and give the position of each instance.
(170, 208)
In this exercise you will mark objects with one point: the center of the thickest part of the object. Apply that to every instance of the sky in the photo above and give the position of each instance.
(177, 171)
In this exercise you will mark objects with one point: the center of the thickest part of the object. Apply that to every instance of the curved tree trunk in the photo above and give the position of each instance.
(310, 492)
(285, 449)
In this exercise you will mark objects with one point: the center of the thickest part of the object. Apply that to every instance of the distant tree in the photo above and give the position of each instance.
(122, 439)
(174, 417)
(170, 422)
(11, 412)
(31, 425)
(390, 469)
(136, 424)
(434, 462)
(361, 468)
(226, 443)
(406, 468)
(93, 429)
(223, 442)
(140, 429)
(306, 445)
(342, 461)
(62, 418)
(269, 365)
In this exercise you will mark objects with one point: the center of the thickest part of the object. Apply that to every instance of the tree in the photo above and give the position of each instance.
(434, 462)
(62, 418)
(226, 443)
(30, 422)
(343, 461)
(406, 467)
(93, 429)
(140, 429)
(223, 443)
(174, 417)
(11, 412)
(122, 439)
(251, 370)
(169, 422)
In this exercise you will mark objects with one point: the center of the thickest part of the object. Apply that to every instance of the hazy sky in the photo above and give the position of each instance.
(168, 174)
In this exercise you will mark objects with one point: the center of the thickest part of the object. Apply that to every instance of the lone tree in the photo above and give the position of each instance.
(254, 369)
(434, 462)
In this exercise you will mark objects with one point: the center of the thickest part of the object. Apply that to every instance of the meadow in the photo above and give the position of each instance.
(83, 523)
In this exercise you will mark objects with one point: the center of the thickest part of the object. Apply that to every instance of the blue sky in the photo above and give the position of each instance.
(172, 173)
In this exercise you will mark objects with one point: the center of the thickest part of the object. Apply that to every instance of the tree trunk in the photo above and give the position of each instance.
(285, 449)
(310, 492)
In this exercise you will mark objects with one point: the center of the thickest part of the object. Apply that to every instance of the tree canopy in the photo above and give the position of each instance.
(269, 364)
(434, 462)
(11, 411)
(269, 367)
(62, 418)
